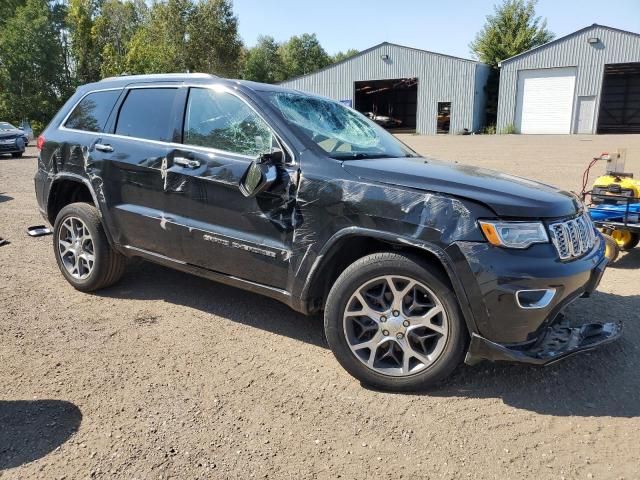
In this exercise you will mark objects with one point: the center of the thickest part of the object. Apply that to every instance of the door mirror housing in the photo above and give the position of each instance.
(276, 156)
(261, 174)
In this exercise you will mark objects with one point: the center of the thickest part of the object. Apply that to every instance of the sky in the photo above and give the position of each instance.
(443, 26)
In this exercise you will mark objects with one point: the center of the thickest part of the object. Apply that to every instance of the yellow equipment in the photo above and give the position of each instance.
(611, 248)
(618, 185)
(617, 188)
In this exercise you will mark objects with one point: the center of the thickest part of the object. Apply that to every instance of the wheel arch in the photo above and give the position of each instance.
(348, 245)
(67, 188)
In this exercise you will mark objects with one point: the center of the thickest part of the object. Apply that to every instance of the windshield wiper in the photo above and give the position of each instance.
(361, 156)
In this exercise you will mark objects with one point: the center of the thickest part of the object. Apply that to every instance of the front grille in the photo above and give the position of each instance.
(573, 238)
(8, 148)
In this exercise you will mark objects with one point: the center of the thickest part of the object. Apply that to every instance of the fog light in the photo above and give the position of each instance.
(530, 299)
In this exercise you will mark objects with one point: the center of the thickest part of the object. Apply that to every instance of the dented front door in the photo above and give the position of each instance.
(221, 229)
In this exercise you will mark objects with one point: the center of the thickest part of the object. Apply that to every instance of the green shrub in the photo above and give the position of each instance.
(37, 128)
(510, 129)
(489, 130)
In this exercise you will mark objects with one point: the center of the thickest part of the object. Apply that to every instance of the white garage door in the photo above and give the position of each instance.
(545, 100)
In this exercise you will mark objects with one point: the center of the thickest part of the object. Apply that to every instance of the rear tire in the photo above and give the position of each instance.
(82, 250)
(17, 154)
(413, 324)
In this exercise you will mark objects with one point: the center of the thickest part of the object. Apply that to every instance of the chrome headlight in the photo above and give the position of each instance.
(513, 234)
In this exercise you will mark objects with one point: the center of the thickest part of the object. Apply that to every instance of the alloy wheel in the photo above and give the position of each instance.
(395, 325)
(75, 247)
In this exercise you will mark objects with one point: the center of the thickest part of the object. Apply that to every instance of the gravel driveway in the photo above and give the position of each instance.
(168, 375)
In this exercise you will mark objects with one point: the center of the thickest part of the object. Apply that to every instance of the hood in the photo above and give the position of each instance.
(506, 195)
(11, 133)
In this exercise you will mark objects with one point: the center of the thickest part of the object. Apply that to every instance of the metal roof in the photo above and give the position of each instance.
(363, 52)
(566, 37)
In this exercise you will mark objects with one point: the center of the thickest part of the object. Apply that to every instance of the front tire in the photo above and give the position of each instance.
(82, 250)
(17, 154)
(394, 324)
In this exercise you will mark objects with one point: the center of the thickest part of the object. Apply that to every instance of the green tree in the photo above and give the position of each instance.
(113, 30)
(514, 28)
(8, 9)
(302, 55)
(80, 18)
(181, 35)
(213, 43)
(338, 57)
(263, 62)
(59, 13)
(160, 45)
(31, 83)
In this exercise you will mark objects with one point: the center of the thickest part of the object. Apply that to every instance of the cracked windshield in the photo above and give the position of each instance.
(340, 131)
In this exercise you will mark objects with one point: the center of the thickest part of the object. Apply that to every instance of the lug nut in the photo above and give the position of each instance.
(385, 332)
(399, 336)
(406, 323)
(383, 318)
(396, 313)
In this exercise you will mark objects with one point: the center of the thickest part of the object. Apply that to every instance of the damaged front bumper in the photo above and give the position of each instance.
(540, 335)
(558, 341)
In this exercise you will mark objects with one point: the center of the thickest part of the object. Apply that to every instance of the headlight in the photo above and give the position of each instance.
(513, 234)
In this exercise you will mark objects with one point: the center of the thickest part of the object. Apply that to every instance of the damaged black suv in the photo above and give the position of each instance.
(417, 264)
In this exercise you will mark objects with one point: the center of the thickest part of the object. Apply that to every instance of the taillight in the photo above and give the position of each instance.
(40, 142)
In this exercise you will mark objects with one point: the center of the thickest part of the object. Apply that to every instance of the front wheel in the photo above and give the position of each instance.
(394, 324)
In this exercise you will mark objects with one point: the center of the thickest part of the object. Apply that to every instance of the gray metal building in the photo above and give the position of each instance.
(585, 82)
(405, 88)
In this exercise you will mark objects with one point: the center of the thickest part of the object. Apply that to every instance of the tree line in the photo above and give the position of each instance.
(49, 47)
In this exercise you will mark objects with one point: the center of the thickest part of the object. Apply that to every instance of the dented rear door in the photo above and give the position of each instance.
(133, 158)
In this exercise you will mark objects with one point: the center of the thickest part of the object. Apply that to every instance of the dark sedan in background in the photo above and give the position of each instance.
(12, 140)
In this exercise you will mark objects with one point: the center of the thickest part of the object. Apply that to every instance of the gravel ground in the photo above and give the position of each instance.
(168, 375)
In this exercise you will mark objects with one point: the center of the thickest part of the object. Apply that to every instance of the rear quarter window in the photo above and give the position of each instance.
(92, 112)
(146, 113)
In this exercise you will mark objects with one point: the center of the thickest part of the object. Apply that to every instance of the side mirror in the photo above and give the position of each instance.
(260, 175)
(20, 128)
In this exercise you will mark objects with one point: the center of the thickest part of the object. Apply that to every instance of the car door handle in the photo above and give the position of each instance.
(185, 162)
(103, 147)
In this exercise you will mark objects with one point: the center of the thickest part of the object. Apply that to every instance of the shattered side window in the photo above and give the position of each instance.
(338, 130)
(222, 121)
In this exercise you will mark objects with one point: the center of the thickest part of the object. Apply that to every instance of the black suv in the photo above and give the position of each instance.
(415, 262)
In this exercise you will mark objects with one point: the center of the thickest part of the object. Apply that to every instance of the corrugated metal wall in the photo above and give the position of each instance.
(440, 79)
(573, 51)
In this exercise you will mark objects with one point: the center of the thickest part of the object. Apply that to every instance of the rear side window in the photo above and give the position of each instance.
(146, 113)
(92, 112)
